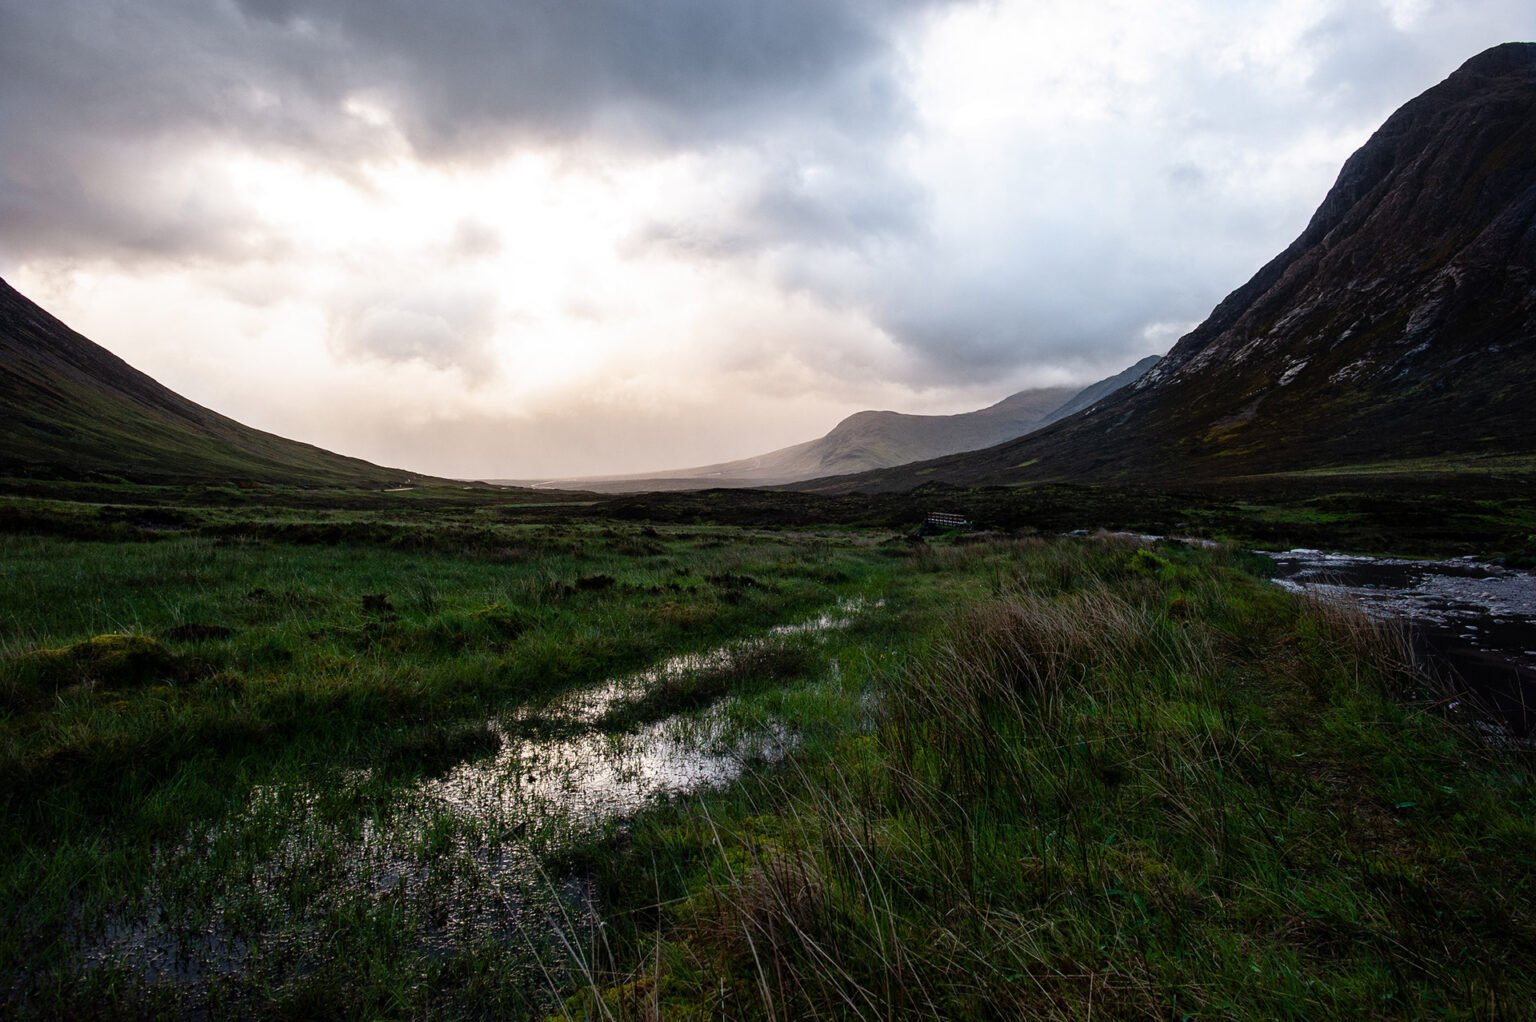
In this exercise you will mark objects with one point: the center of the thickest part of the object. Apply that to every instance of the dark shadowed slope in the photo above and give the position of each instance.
(70, 409)
(1400, 326)
(871, 440)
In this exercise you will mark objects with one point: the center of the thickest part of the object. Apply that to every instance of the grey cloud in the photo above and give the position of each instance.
(967, 334)
(680, 69)
(445, 328)
(1152, 222)
(1185, 177)
(850, 203)
(1366, 63)
(1092, 248)
(823, 196)
(84, 203)
(472, 239)
(97, 97)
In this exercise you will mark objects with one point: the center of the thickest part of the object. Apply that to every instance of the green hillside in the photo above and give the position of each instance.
(70, 409)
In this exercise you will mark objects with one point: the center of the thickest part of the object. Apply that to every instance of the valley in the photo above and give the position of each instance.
(873, 440)
(1199, 692)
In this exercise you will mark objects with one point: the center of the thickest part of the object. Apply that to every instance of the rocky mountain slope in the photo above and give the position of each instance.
(881, 439)
(1399, 327)
(70, 409)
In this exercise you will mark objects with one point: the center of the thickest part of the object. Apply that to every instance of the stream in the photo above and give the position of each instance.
(1476, 617)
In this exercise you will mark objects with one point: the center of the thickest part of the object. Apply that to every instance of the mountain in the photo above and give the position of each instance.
(880, 439)
(1096, 392)
(70, 409)
(1399, 328)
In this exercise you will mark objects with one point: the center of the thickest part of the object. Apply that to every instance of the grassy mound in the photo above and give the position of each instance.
(104, 661)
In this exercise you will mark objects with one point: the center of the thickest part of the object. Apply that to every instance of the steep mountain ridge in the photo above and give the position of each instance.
(71, 409)
(1400, 325)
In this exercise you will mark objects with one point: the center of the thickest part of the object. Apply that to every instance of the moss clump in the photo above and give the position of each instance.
(105, 661)
(1149, 565)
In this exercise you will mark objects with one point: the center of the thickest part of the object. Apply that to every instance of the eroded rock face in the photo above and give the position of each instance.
(1401, 324)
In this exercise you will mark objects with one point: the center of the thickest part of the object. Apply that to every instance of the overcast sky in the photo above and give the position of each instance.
(534, 238)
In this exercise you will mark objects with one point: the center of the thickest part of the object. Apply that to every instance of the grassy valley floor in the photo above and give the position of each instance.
(515, 762)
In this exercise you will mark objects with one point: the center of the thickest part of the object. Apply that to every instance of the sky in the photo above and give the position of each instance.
(530, 239)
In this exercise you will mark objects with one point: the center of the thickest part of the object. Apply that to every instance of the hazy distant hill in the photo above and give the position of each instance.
(868, 440)
(1400, 325)
(71, 409)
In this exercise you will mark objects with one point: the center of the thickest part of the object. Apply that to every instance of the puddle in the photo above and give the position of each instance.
(458, 858)
(1146, 537)
(165, 957)
(1479, 617)
(841, 616)
(577, 784)
(592, 777)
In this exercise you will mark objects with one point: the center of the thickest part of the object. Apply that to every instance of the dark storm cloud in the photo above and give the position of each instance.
(677, 69)
(99, 97)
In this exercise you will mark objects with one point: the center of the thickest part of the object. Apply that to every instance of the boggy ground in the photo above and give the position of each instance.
(451, 756)
(1121, 783)
(217, 752)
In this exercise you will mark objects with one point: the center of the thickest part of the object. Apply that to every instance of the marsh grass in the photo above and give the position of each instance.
(746, 668)
(1063, 779)
(154, 688)
(1127, 783)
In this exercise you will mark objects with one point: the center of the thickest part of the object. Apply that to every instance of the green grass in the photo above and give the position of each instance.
(239, 745)
(151, 688)
(1483, 512)
(1125, 784)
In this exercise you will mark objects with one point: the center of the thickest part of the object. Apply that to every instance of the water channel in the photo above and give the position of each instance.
(458, 855)
(1476, 617)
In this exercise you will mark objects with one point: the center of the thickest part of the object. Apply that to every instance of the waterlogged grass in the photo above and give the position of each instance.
(285, 764)
(216, 754)
(1124, 783)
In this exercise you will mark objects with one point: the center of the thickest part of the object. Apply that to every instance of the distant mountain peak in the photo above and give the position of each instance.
(880, 439)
